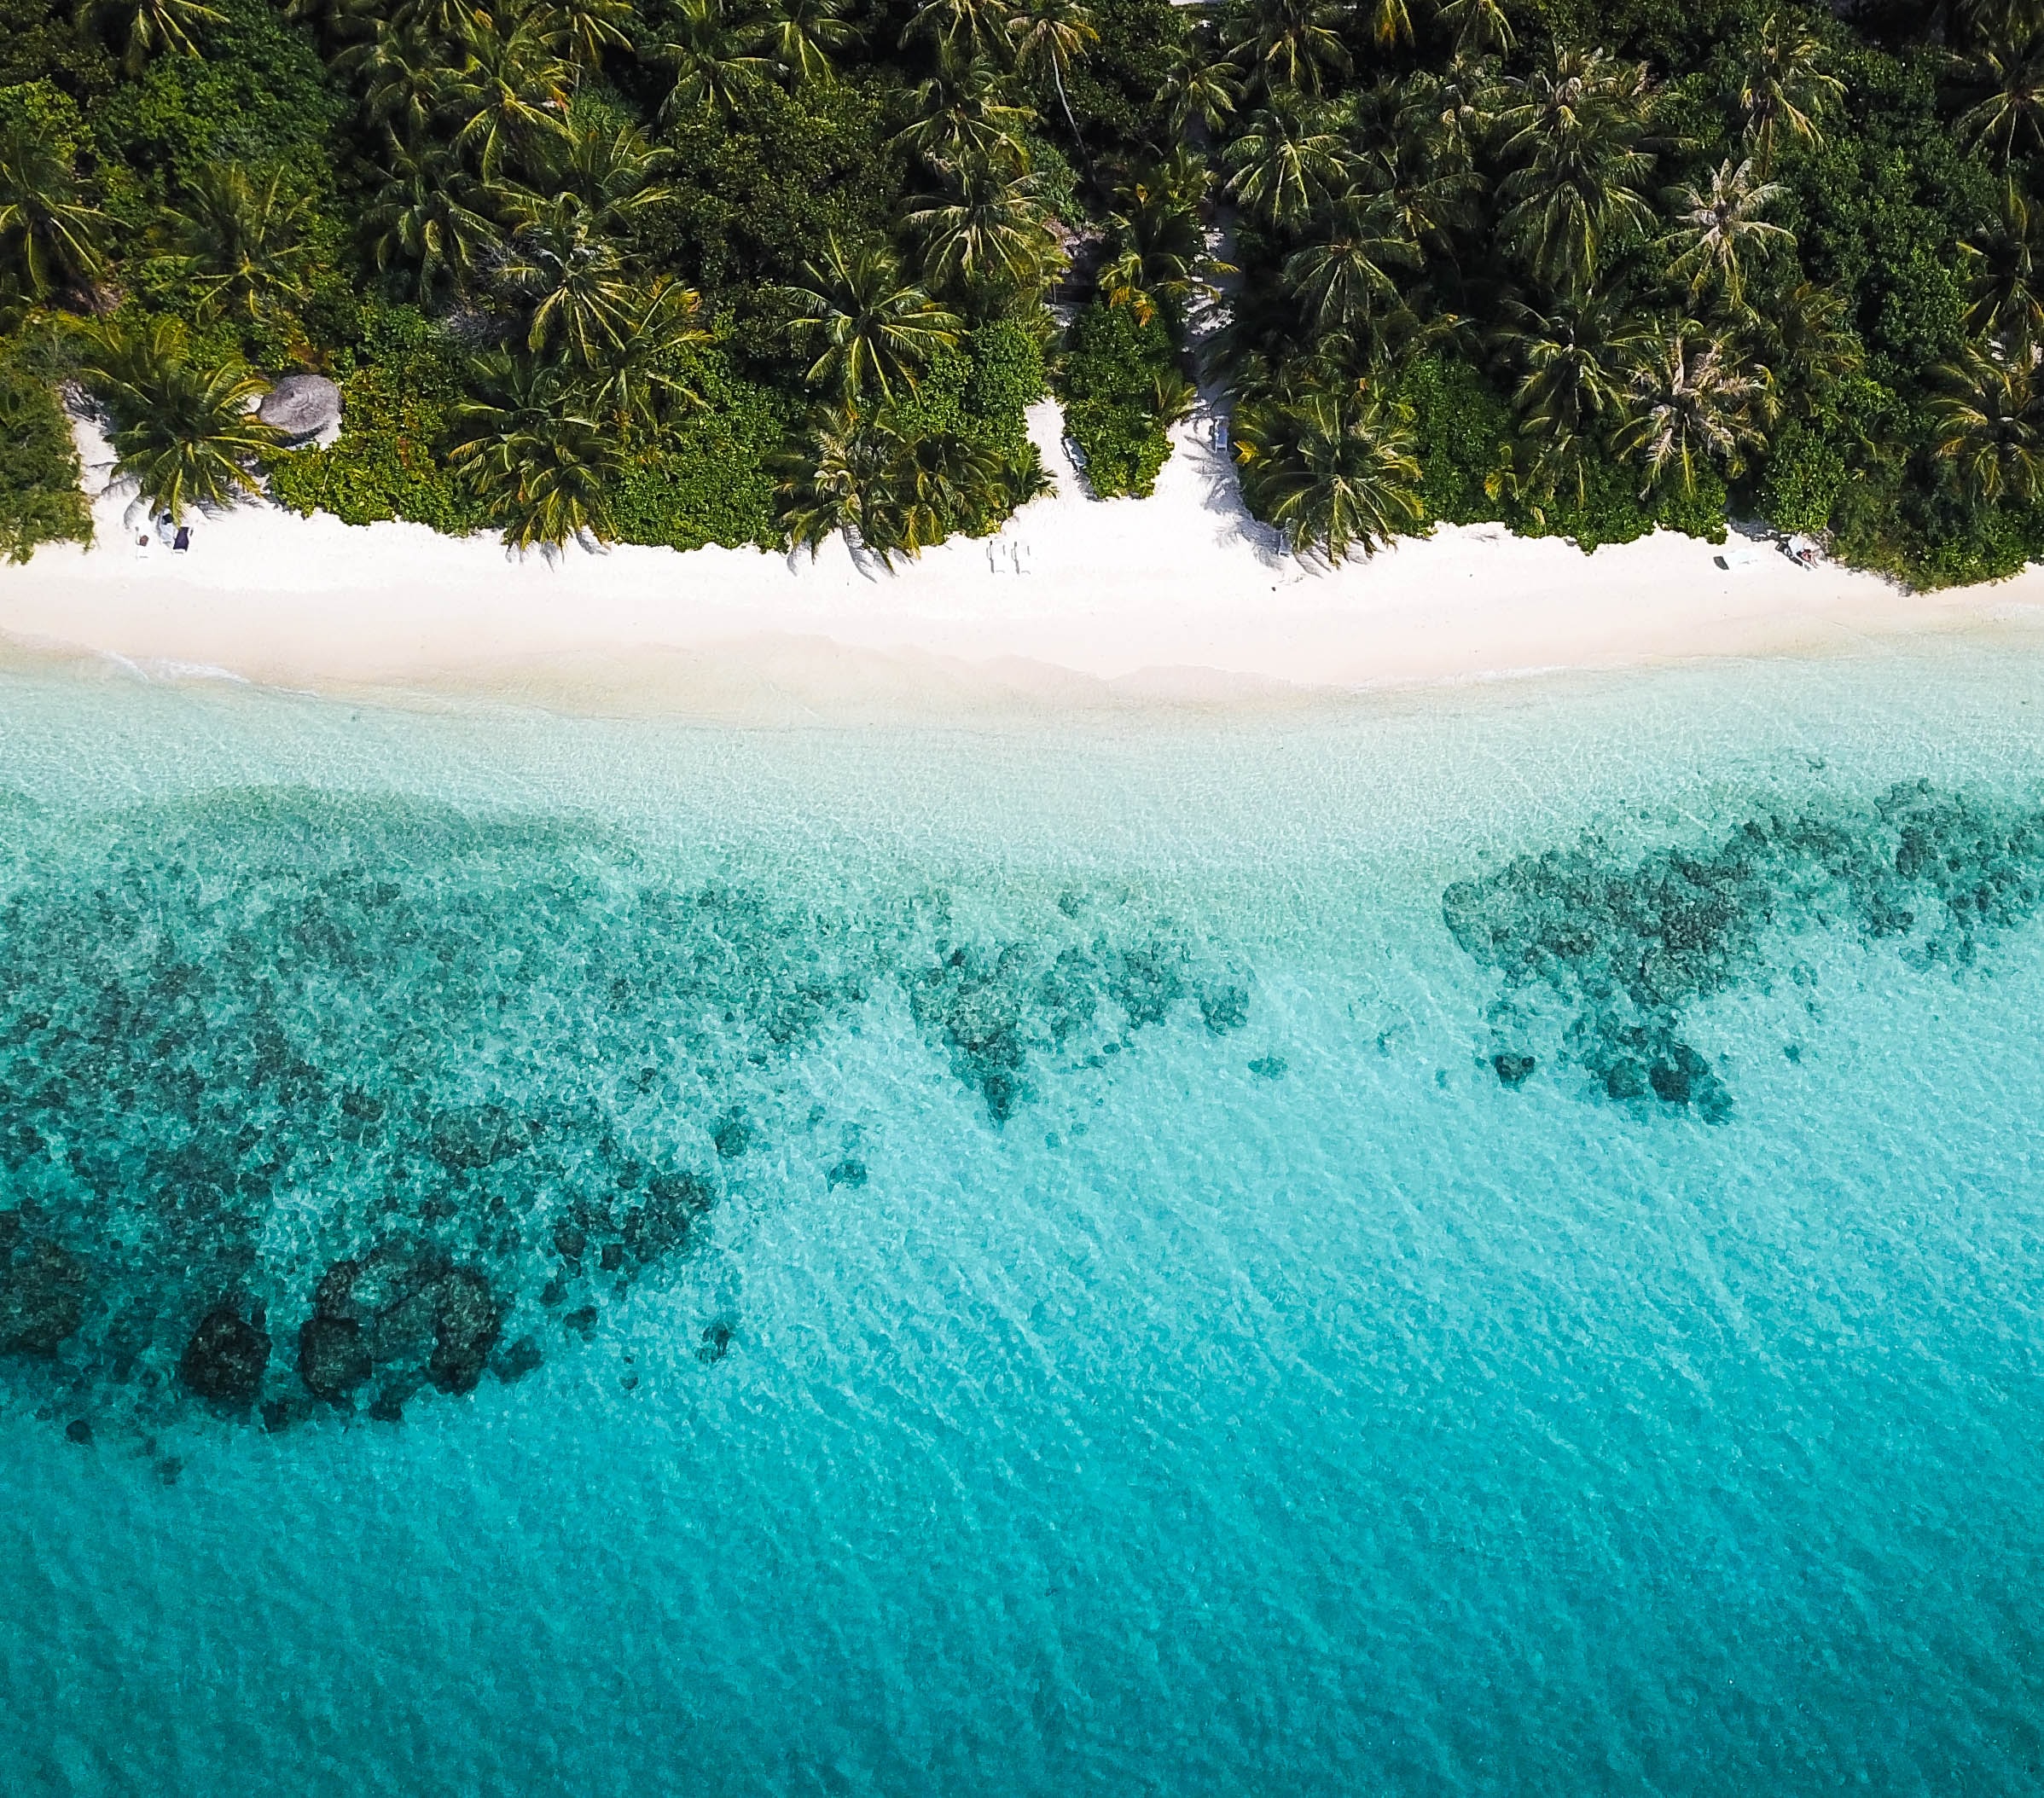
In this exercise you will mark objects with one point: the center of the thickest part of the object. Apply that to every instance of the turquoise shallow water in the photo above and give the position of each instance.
(1476, 1244)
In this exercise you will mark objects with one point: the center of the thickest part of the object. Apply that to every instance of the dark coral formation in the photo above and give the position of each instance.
(226, 1356)
(311, 1106)
(42, 1287)
(1512, 1070)
(1630, 944)
(404, 1316)
(999, 1008)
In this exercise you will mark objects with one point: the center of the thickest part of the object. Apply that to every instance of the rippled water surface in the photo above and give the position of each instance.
(1487, 1243)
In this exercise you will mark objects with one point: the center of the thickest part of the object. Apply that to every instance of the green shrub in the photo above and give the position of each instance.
(706, 481)
(40, 499)
(1007, 380)
(1697, 510)
(260, 95)
(1609, 509)
(389, 461)
(1460, 423)
(1111, 373)
(1807, 474)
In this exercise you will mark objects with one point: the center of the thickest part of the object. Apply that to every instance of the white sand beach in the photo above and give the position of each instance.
(1181, 595)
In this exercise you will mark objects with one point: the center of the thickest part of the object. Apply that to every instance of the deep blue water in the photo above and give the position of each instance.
(1487, 1243)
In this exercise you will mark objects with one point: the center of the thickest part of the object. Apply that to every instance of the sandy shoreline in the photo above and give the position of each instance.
(1182, 596)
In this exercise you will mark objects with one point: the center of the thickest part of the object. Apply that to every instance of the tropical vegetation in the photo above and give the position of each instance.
(766, 272)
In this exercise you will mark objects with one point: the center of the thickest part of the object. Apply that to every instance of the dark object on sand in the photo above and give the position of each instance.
(183, 539)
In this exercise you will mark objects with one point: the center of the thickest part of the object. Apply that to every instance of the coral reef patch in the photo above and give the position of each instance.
(1628, 944)
(312, 1106)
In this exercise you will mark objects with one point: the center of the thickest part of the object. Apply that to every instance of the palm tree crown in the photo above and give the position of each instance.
(1333, 470)
(50, 238)
(871, 330)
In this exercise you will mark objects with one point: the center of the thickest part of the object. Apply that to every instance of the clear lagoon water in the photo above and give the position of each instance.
(1489, 1242)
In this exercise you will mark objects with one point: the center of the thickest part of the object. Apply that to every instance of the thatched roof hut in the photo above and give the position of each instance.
(301, 406)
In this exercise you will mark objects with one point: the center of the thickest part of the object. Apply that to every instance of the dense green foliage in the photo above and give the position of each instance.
(755, 271)
(40, 498)
(1641, 261)
(1116, 366)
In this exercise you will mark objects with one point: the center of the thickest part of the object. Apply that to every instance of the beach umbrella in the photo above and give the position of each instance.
(301, 405)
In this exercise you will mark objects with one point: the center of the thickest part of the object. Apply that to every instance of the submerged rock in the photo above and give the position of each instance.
(1512, 1070)
(332, 1356)
(849, 1172)
(227, 1355)
(467, 1321)
(42, 1290)
(1224, 1009)
(732, 1135)
(515, 1362)
(403, 1311)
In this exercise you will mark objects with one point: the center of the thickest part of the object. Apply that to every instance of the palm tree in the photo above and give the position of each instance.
(869, 328)
(989, 225)
(451, 23)
(583, 30)
(840, 482)
(960, 115)
(1447, 115)
(2006, 272)
(1986, 413)
(237, 243)
(1052, 35)
(404, 77)
(1199, 85)
(570, 278)
(635, 381)
(1333, 470)
(510, 96)
(1343, 280)
(427, 214)
(888, 494)
(1430, 197)
(1785, 87)
(1390, 23)
(182, 430)
(1806, 336)
(1158, 247)
(1286, 161)
(335, 21)
(146, 28)
(612, 176)
(713, 75)
(964, 31)
(802, 36)
(2008, 120)
(1693, 399)
(50, 238)
(1990, 18)
(1574, 137)
(1479, 26)
(1571, 390)
(1716, 229)
(538, 457)
(1290, 45)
